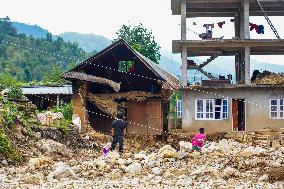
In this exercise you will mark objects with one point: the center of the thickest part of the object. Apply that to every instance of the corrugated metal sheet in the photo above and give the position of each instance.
(42, 90)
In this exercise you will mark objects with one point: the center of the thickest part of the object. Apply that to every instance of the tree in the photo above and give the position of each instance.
(54, 75)
(7, 80)
(141, 40)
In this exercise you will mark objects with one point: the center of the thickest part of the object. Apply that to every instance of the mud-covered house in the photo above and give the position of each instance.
(120, 78)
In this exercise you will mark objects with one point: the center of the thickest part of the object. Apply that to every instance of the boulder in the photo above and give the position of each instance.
(229, 172)
(134, 167)
(263, 178)
(60, 170)
(167, 152)
(52, 147)
(157, 171)
(112, 157)
(35, 163)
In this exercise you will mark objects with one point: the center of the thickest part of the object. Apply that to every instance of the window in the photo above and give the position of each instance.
(179, 108)
(225, 108)
(125, 66)
(209, 112)
(199, 109)
(211, 109)
(276, 109)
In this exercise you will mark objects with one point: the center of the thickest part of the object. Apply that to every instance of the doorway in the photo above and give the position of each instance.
(239, 114)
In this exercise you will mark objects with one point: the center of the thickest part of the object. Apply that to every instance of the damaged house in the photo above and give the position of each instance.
(120, 78)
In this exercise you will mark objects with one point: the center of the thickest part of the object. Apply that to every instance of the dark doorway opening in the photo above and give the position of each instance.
(238, 113)
(99, 120)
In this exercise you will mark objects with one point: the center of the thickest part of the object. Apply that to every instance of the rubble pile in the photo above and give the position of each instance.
(222, 164)
(272, 78)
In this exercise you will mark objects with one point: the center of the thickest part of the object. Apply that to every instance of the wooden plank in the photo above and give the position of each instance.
(154, 117)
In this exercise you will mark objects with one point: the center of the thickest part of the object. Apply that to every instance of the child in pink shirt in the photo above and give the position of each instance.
(198, 140)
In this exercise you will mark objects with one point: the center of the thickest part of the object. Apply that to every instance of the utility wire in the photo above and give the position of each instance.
(268, 20)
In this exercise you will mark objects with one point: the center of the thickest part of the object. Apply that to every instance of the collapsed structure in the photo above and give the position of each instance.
(120, 78)
(217, 105)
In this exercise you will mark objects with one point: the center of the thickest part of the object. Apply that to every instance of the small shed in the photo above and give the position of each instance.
(120, 78)
(48, 96)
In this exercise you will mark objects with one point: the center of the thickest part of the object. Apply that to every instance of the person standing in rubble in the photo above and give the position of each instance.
(198, 140)
(118, 131)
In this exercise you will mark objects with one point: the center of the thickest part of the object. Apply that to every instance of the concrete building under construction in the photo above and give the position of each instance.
(235, 106)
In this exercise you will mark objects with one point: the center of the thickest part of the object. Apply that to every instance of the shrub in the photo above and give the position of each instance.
(10, 113)
(15, 93)
(7, 149)
(66, 109)
(63, 125)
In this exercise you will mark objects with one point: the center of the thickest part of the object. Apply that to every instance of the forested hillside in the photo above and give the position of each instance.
(27, 64)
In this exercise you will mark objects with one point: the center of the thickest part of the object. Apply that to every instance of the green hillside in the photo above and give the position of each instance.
(26, 64)
(88, 42)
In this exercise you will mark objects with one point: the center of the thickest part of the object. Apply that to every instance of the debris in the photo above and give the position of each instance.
(60, 170)
(133, 168)
(157, 171)
(167, 152)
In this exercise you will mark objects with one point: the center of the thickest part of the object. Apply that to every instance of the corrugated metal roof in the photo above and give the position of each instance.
(41, 90)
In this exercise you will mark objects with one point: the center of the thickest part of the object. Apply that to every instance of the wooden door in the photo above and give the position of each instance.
(136, 117)
(154, 117)
(235, 114)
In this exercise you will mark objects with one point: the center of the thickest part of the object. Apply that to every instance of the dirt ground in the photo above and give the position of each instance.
(78, 162)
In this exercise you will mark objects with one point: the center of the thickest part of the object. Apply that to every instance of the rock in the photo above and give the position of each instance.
(134, 167)
(37, 135)
(263, 178)
(52, 147)
(4, 162)
(128, 161)
(185, 146)
(35, 163)
(33, 179)
(276, 164)
(120, 161)
(112, 157)
(251, 151)
(64, 151)
(157, 171)
(136, 145)
(60, 170)
(167, 152)
(141, 156)
(229, 172)
(167, 174)
(100, 164)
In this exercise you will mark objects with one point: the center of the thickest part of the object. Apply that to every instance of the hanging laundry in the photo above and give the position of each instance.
(194, 23)
(253, 27)
(208, 26)
(220, 24)
(207, 35)
(260, 29)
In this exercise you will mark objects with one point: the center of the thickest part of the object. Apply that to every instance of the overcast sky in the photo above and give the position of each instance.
(105, 17)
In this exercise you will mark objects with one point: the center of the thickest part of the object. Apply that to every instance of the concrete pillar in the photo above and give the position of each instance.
(242, 67)
(244, 20)
(237, 68)
(183, 19)
(184, 65)
(186, 110)
(237, 24)
(247, 65)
